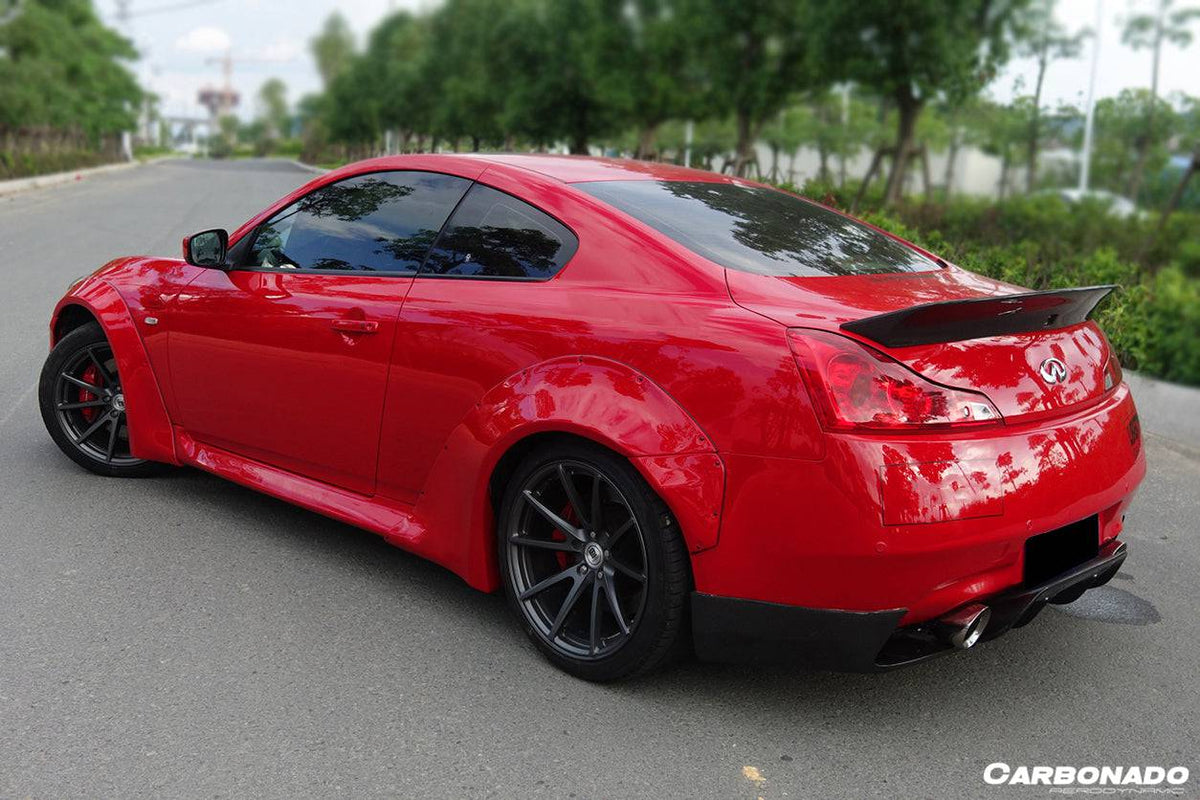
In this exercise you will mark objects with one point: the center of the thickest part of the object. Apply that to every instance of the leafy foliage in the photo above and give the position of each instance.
(63, 69)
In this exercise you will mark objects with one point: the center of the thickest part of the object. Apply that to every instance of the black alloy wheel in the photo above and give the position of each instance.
(83, 405)
(593, 563)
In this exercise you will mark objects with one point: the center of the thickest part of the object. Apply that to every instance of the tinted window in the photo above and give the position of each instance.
(759, 230)
(382, 222)
(495, 235)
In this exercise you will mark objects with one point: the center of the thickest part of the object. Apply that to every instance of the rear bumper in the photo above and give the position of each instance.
(925, 523)
(734, 630)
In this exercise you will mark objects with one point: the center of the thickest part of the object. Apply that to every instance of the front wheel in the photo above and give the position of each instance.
(83, 405)
(593, 563)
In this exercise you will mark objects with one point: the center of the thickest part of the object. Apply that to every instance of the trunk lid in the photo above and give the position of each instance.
(970, 332)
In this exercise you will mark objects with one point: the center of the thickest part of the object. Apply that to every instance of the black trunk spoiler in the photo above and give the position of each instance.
(956, 320)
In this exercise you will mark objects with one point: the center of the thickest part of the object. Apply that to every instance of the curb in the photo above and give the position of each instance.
(307, 167)
(57, 178)
(1166, 409)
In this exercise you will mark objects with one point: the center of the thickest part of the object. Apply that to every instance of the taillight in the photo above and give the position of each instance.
(855, 386)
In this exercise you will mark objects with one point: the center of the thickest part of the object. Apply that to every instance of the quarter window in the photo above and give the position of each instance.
(759, 230)
(495, 235)
(379, 222)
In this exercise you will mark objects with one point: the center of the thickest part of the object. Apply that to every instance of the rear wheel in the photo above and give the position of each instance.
(83, 405)
(593, 563)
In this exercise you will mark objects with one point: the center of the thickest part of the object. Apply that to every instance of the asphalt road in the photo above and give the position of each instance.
(183, 637)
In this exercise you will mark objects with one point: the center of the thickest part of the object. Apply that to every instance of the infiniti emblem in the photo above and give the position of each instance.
(1053, 371)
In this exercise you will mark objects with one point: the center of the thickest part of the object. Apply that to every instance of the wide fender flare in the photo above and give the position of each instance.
(150, 434)
(598, 399)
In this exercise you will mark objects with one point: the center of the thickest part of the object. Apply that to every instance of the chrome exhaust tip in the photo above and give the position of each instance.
(963, 628)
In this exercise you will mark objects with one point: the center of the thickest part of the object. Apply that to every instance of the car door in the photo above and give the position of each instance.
(284, 358)
(468, 323)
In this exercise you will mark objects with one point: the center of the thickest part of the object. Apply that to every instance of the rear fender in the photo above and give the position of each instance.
(596, 399)
(150, 435)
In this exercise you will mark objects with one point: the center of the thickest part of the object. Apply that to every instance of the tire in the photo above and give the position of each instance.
(632, 562)
(89, 426)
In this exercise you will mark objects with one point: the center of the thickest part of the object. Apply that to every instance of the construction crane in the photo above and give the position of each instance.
(222, 101)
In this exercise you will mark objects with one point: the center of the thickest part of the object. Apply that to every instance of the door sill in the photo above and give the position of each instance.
(391, 519)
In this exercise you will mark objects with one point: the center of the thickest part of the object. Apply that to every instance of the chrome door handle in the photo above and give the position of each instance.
(355, 325)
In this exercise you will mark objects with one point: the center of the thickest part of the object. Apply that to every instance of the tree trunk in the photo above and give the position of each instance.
(474, 144)
(1003, 177)
(1176, 197)
(951, 158)
(909, 109)
(823, 170)
(774, 174)
(646, 142)
(745, 144)
(925, 176)
(876, 159)
(1035, 123)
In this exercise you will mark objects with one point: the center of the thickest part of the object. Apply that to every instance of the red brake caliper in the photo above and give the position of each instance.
(568, 514)
(90, 375)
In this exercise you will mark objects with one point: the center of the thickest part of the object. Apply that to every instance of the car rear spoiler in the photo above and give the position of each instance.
(956, 320)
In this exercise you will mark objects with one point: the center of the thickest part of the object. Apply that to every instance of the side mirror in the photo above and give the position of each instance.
(206, 249)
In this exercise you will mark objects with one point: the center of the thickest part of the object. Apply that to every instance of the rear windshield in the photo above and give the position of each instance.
(753, 229)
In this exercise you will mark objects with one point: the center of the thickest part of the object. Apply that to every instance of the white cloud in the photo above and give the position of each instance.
(206, 39)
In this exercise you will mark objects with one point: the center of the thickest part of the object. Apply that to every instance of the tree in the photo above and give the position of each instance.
(462, 68)
(1152, 31)
(391, 84)
(1190, 139)
(333, 48)
(1121, 135)
(353, 106)
(965, 127)
(1045, 40)
(64, 70)
(711, 138)
(273, 107)
(753, 56)
(912, 52)
(662, 76)
(571, 56)
(1003, 131)
(790, 129)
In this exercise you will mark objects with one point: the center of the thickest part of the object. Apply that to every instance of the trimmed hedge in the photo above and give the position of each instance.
(25, 165)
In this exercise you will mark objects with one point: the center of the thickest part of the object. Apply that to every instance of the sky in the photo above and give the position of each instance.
(269, 38)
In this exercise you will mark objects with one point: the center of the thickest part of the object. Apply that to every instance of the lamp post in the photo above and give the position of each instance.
(1085, 159)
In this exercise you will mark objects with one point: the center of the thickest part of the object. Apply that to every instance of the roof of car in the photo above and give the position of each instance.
(577, 169)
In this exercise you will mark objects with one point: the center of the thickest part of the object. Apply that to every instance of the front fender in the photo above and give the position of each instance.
(150, 435)
(604, 401)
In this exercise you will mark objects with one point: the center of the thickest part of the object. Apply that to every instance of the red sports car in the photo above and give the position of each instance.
(660, 408)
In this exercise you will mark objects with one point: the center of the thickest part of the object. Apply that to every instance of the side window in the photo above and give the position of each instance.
(381, 222)
(495, 235)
